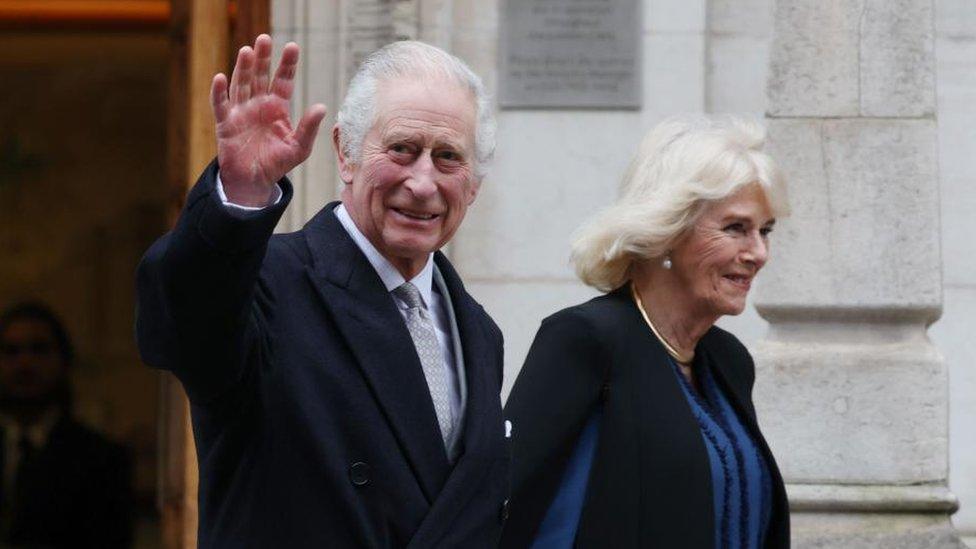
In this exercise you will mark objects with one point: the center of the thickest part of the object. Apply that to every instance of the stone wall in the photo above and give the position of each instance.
(739, 40)
(555, 168)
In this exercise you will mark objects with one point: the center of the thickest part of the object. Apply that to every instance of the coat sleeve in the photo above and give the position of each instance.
(557, 390)
(735, 364)
(196, 286)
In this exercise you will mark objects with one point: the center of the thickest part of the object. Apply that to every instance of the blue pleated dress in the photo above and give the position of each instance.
(740, 477)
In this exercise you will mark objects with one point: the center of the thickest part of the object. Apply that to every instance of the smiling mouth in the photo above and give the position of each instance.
(739, 280)
(419, 216)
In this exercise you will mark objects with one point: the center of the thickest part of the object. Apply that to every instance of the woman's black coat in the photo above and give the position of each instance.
(650, 482)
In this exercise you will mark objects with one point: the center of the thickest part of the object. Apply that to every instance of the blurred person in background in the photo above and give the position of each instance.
(63, 484)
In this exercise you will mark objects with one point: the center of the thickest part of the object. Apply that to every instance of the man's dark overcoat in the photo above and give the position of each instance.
(312, 417)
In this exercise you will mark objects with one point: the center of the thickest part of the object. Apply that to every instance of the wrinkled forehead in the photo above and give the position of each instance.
(437, 102)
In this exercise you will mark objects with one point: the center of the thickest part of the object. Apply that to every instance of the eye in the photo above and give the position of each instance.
(448, 155)
(402, 151)
(737, 228)
(765, 231)
(448, 158)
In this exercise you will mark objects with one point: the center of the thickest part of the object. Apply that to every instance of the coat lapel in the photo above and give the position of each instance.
(368, 320)
(674, 460)
(741, 401)
(738, 396)
(477, 356)
(482, 419)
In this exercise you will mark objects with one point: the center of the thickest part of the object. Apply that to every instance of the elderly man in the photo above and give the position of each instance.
(344, 386)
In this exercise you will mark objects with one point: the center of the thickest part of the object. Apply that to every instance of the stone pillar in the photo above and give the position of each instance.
(852, 393)
(314, 25)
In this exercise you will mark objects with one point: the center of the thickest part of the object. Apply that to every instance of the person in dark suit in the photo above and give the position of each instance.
(63, 484)
(344, 386)
(632, 418)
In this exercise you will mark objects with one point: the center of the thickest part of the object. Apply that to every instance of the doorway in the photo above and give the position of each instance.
(102, 130)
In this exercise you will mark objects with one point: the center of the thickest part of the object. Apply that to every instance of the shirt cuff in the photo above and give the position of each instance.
(229, 204)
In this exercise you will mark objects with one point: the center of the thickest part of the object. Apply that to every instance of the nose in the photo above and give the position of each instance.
(422, 178)
(757, 250)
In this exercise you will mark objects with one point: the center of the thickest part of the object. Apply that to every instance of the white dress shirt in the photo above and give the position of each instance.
(392, 279)
(37, 433)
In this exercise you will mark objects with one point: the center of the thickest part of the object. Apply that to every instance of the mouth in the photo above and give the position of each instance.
(416, 215)
(741, 281)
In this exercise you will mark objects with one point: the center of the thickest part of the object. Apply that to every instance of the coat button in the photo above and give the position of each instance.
(359, 473)
(503, 514)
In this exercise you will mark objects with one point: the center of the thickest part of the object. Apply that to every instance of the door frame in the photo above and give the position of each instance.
(203, 35)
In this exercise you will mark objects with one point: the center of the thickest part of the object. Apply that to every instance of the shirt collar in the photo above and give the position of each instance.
(391, 277)
(37, 432)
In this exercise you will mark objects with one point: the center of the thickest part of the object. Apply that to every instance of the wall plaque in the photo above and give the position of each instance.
(570, 53)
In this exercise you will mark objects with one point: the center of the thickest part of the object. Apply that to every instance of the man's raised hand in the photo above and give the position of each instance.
(256, 144)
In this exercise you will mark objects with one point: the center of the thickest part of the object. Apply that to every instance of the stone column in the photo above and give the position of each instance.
(852, 393)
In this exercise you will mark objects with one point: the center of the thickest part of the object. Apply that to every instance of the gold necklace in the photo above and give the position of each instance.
(667, 346)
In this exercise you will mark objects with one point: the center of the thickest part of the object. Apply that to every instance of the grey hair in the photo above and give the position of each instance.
(411, 58)
(682, 164)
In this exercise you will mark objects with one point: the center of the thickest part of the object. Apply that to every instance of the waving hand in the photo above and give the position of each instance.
(256, 144)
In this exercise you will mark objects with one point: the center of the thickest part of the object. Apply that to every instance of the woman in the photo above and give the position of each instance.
(632, 417)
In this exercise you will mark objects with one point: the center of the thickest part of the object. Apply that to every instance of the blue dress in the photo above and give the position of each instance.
(559, 526)
(741, 482)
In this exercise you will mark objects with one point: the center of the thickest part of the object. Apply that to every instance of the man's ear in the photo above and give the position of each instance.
(346, 171)
(473, 190)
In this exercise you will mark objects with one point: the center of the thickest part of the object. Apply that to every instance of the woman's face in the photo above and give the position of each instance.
(722, 252)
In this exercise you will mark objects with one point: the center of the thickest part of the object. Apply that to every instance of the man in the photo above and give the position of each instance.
(344, 386)
(63, 485)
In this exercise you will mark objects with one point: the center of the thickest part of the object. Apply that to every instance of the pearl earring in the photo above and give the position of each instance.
(667, 262)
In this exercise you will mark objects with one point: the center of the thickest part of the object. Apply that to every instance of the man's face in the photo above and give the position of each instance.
(415, 180)
(31, 368)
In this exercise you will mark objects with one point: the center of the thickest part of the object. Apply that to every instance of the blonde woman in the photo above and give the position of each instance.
(633, 419)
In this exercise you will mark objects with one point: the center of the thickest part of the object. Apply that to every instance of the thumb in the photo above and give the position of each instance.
(308, 127)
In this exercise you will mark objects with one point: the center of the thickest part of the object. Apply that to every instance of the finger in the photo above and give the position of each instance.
(284, 78)
(262, 72)
(240, 81)
(218, 97)
(308, 127)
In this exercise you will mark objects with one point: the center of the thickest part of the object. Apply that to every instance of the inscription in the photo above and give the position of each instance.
(570, 53)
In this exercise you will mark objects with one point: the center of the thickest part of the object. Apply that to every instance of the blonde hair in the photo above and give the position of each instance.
(683, 163)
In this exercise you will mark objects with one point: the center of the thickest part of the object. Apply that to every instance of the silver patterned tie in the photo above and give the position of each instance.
(424, 338)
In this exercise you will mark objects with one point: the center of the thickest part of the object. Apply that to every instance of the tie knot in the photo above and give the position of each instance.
(410, 295)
